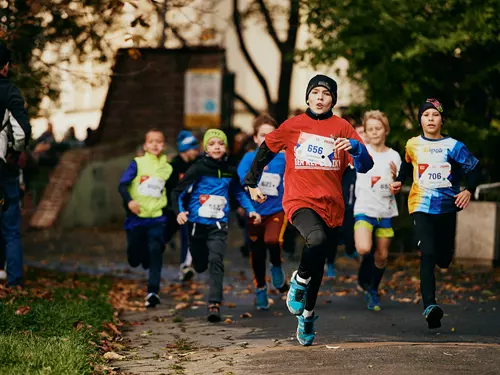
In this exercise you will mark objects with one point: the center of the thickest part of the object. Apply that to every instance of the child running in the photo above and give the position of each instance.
(346, 232)
(438, 163)
(268, 235)
(375, 204)
(318, 146)
(188, 148)
(142, 187)
(208, 182)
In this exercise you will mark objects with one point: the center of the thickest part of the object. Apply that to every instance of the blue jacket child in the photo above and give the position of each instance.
(208, 183)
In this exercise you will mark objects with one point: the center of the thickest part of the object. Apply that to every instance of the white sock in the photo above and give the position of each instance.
(301, 280)
(308, 314)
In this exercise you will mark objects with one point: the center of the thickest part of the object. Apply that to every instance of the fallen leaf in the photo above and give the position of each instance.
(228, 321)
(171, 346)
(23, 310)
(113, 328)
(246, 315)
(78, 325)
(186, 354)
(404, 300)
(452, 329)
(182, 306)
(113, 356)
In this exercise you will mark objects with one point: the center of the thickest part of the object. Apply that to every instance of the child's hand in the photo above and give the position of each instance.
(257, 195)
(135, 207)
(256, 217)
(394, 170)
(342, 144)
(182, 218)
(395, 187)
(462, 199)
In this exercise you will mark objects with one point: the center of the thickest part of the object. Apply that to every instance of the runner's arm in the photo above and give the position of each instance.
(262, 158)
(473, 179)
(363, 162)
(125, 181)
(190, 177)
(241, 195)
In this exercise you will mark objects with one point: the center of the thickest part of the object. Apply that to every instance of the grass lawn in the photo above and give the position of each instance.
(53, 324)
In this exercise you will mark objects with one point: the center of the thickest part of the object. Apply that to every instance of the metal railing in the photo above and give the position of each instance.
(485, 187)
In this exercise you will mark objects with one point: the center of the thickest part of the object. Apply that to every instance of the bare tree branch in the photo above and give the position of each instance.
(178, 35)
(244, 50)
(269, 24)
(293, 23)
(243, 101)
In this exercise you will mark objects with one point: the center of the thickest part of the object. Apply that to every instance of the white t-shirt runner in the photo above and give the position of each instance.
(373, 197)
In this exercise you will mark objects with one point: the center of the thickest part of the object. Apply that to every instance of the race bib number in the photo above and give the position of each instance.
(269, 183)
(316, 152)
(151, 186)
(212, 206)
(434, 176)
(380, 186)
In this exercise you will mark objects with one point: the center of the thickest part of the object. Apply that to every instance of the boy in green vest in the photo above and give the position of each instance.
(142, 187)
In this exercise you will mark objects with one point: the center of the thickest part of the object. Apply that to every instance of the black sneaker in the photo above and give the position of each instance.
(433, 315)
(152, 300)
(186, 274)
(213, 313)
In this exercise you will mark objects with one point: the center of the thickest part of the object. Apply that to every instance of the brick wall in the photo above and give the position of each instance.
(149, 91)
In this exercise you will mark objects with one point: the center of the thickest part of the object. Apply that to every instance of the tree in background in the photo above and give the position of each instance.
(67, 29)
(402, 52)
(287, 47)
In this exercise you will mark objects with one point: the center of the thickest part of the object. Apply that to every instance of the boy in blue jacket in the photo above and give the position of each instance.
(208, 182)
(268, 235)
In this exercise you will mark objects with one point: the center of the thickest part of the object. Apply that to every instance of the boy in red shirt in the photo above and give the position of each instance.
(319, 146)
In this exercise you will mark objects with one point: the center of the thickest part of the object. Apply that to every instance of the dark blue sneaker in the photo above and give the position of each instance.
(296, 297)
(372, 300)
(152, 300)
(305, 330)
(277, 276)
(433, 315)
(330, 271)
(261, 298)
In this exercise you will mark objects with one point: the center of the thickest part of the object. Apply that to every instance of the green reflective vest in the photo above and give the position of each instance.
(148, 186)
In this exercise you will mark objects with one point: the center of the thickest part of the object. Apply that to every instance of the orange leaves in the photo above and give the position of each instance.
(23, 310)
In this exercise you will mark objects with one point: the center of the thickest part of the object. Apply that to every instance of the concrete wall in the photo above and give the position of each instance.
(95, 200)
(478, 233)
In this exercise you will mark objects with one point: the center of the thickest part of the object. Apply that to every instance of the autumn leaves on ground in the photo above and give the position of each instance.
(70, 324)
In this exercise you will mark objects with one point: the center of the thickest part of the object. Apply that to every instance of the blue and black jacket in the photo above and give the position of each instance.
(273, 203)
(209, 182)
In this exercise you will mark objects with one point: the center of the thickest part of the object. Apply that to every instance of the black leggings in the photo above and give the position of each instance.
(436, 242)
(319, 238)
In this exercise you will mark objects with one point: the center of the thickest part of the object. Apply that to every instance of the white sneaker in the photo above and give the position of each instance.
(3, 275)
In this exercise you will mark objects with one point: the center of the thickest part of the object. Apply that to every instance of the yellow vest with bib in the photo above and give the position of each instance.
(148, 187)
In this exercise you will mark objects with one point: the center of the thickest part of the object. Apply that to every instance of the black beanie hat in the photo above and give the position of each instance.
(326, 82)
(430, 103)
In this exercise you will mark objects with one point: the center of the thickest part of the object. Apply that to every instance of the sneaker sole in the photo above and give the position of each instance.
(300, 342)
(214, 318)
(188, 276)
(434, 318)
